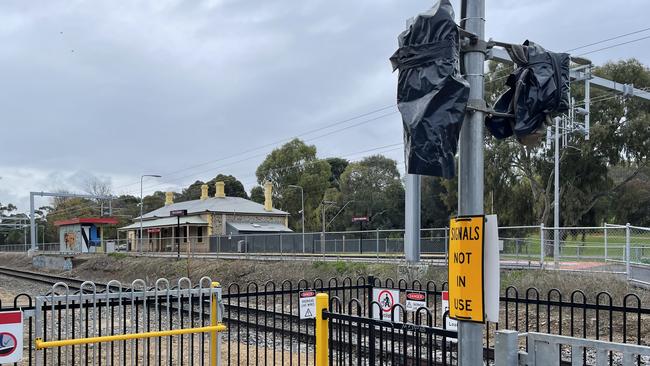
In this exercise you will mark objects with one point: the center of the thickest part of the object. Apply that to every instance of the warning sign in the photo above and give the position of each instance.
(466, 268)
(415, 300)
(307, 304)
(450, 323)
(387, 299)
(11, 336)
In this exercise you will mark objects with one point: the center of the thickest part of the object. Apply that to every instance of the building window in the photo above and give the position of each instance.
(199, 233)
(185, 233)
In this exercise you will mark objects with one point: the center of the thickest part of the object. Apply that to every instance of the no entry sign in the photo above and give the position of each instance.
(466, 268)
(11, 336)
(387, 299)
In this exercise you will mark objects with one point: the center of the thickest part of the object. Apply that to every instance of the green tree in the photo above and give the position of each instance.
(337, 166)
(520, 179)
(232, 186)
(257, 194)
(374, 188)
(295, 163)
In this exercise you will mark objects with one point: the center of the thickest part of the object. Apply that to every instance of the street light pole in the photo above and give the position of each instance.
(302, 200)
(322, 234)
(142, 205)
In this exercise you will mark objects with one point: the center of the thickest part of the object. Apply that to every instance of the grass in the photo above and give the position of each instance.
(589, 245)
(118, 256)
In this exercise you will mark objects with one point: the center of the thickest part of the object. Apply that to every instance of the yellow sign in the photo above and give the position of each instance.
(466, 268)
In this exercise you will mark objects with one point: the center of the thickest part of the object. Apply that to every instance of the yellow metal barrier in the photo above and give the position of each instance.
(214, 329)
(322, 331)
(40, 344)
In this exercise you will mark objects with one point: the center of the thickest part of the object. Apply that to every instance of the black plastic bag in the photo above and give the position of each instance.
(538, 87)
(431, 95)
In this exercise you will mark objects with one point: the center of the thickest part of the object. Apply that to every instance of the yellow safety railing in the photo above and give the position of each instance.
(214, 320)
(214, 328)
(41, 344)
(322, 331)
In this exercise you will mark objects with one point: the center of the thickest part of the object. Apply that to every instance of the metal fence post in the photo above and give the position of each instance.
(605, 233)
(542, 240)
(322, 330)
(215, 350)
(627, 250)
(506, 348)
(446, 245)
(371, 330)
(377, 244)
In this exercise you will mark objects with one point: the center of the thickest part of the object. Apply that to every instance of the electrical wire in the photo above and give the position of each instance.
(275, 143)
(615, 45)
(608, 39)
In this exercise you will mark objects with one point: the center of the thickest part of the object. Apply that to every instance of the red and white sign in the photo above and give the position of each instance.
(415, 300)
(358, 219)
(11, 336)
(153, 230)
(307, 304)
(387, 299)
(452, 324)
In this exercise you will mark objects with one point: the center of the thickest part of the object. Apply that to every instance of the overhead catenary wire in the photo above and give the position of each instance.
(275, 143)
(370, 113)
(377, 150)
(608, 39)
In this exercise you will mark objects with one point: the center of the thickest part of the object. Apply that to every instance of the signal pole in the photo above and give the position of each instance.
(471, 164)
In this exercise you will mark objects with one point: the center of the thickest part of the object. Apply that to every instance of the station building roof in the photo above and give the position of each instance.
(227, 205)
(87, 220)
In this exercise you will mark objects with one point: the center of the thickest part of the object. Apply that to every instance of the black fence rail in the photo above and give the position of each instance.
(264, 326)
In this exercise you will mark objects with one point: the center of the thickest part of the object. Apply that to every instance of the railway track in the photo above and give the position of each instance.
(50, 279)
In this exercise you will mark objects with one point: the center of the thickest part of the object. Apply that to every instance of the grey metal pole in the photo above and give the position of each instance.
(556, 195)
(605, 241)
(322, 234)
(412, 219)
(627, 250)
(302, 200)
(32, 221)
(506, 348)
(542, 240)
(141, 206)
(471, 167)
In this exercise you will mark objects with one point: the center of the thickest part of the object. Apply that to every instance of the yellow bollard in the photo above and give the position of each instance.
(214, 320)
(322, 331)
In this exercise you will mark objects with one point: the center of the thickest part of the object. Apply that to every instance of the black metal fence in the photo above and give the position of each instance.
(264, 326)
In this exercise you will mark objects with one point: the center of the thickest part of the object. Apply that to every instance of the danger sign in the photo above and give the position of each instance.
(11, 336)
(307, 304)
(415, 300)
(387, 299)
(466, 268)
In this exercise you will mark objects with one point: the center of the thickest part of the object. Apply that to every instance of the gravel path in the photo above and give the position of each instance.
(10, 287)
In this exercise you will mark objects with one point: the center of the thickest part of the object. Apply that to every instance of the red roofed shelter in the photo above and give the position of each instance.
(83, 234)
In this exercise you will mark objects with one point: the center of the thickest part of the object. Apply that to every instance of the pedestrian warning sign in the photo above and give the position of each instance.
(466, 268)
(11, 336)
(307, 304)
(385, 300)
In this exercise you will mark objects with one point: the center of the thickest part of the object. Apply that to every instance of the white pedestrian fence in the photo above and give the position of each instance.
(552, 350)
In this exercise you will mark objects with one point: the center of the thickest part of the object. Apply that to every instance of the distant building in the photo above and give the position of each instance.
(84, 234)
(207, 216)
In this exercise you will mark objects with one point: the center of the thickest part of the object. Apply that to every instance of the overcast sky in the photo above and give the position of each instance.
(189, 89)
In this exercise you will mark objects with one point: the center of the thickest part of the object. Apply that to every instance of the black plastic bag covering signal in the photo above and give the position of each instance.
(538, 87)
(431, 95)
